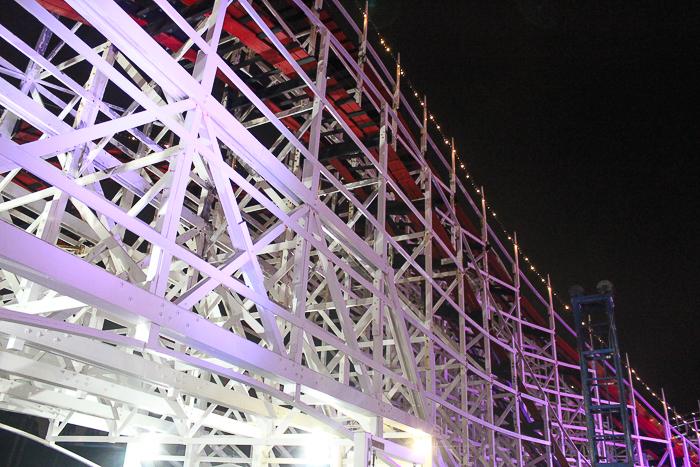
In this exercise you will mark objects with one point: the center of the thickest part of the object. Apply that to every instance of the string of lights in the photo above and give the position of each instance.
(673, 414)
(459, 163)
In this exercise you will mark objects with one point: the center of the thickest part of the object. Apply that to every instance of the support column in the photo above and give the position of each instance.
(191, 453)
(256, 456)
(396, 101)
(362, 56)
(380, 246)
(318, 6)
(310, 176)
(667, 431)
(461, 277)
(429, 312)
(555, 427)
(517, 365)
(453, 213)
(362, 449)
(697, 432)
(172, 200)
(635, 422)
(486, 323)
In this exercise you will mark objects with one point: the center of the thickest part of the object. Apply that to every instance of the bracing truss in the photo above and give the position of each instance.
(226, 235)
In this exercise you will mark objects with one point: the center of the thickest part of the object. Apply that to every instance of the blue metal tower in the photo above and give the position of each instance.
(609, 433)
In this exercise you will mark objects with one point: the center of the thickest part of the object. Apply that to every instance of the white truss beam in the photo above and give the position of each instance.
(238, 243)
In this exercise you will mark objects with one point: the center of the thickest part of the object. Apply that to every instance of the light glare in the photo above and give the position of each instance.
(424, 446)
(137, 452)
(317, 455)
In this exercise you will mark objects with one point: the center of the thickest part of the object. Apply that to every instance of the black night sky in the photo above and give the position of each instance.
(580, 119)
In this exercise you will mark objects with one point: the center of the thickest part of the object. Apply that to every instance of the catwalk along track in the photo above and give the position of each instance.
(228, 237)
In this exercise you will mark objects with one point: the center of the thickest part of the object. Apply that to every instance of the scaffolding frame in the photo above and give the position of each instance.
(602, 379)
(225, 232)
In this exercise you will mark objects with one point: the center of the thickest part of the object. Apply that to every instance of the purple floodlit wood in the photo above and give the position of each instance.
(228, 236)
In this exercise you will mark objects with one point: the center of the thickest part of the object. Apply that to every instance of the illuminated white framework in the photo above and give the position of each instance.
(226, 233)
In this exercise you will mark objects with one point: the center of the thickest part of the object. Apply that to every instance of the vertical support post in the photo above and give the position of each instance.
(598, 426)
(380, 246)
(130, 454)
(429, 312)
(300, 279)
(635, 422)
(486, 321)
(311, 169)
(310, 177)
(459, 254)
(549, 436)
(428, 212)
(318, 6)
(557, 399)
(517, 364)
(396, 101)
(557, 387)
(336, 456)
(667, 431)
(686, 455)
(191, 453)
(362, 443)
(168, 218)
(172, 199)
(697, 433)
(453, 191)
(362, 55)
(256, 455)
(424, 130)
